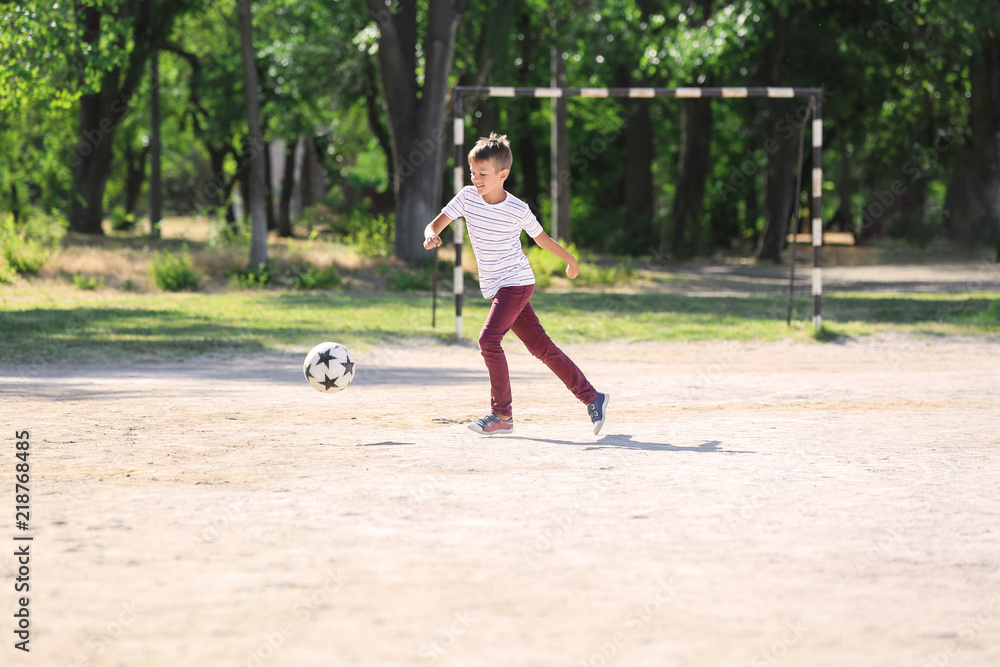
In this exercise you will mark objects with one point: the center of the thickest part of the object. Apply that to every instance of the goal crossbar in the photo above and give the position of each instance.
(461, 92)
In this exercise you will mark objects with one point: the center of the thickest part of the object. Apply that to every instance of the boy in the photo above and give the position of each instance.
(495, 219)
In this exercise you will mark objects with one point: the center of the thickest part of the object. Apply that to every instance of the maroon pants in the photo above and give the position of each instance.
(512, 311)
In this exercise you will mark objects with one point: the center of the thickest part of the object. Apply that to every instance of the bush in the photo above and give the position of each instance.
(7, 274)
(252, 278)
(545, 265)
(371, 235)
(121, 221)
(591, 274)
(312, 277)
(223, 233)
(174, 273)
(26, 248)
(86, 282)
(418, 279)
(315, 217)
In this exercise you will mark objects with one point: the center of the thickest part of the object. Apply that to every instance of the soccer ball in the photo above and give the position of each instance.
(328, 368)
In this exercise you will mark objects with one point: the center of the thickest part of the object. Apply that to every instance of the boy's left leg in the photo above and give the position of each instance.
(507, 305)
(532, 334)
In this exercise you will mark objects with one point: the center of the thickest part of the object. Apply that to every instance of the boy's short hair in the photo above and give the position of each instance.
(494, 149)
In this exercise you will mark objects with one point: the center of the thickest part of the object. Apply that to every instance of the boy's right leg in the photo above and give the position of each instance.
(507, 305)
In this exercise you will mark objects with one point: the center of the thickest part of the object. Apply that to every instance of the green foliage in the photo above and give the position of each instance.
(250, 278)
(174, 272)
(316, 62)
(592, 274)
(223, 233)
(84, 282)
(28, 246)
(545, 265)
(312, 277)
(122, 221)
(7, 274)
(371, 234)
(418, 279)
(317, 217)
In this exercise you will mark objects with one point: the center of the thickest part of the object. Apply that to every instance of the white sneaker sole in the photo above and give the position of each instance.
(604, 411)
(472, 427)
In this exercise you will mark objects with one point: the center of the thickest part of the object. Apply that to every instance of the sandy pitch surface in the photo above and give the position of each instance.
(746, 504)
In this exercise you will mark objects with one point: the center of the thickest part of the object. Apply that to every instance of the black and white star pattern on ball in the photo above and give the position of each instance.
(309, 376)
(348, 366)
(325, 357)
(329, 383)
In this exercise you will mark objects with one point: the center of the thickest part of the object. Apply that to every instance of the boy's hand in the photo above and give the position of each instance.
(431, 242)
(572, 270)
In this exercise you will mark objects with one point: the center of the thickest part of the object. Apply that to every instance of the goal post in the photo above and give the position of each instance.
(461, 92)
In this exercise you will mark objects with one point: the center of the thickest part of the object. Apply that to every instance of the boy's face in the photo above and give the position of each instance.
(486, 178)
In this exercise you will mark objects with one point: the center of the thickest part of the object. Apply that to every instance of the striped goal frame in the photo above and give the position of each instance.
(461, 92)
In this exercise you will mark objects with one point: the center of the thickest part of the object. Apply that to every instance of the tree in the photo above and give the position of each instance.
(258, 215)
(973, 199)
(416, 108)
(117, 38)
(694, 159)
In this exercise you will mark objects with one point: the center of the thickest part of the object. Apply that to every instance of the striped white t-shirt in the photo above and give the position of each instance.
(495, 232)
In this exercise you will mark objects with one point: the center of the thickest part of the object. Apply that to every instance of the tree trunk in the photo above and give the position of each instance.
(378, 129)
(156, 146)
(526, 166)
(779, 189)
(781, 164)
(752, 212)
(102, 111)
(287, 185)
(93, 164)
(560, 179)
(255, 155)
(216, 194)
(695, 157)
(844, 217)
(135, 176)
(637, 230)
(415, 112)
(973, 199)
(15, 203)
(272, 221)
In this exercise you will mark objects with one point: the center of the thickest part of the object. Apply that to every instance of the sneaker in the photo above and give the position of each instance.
(598, 411)
(491, 425)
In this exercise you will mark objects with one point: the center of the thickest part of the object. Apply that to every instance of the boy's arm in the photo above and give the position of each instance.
(548, 243)
(433, 229)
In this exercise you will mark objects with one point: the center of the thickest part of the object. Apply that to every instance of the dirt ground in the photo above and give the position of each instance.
(746, 504)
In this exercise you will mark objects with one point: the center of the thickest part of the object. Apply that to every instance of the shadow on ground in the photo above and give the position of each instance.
(628, 442)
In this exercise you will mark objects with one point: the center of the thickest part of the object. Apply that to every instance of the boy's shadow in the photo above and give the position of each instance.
(626, 442)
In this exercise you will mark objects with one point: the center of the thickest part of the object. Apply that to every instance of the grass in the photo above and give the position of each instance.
(91, 327)
(97, 300)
